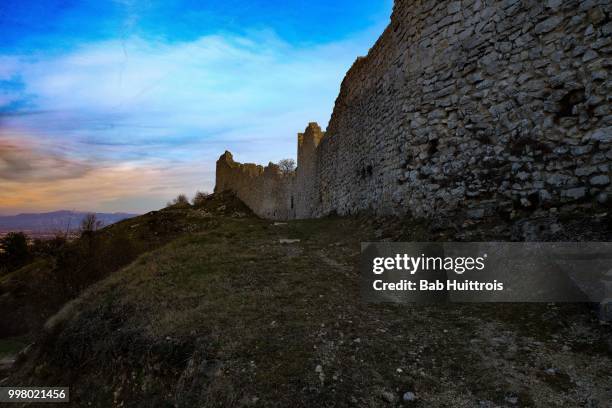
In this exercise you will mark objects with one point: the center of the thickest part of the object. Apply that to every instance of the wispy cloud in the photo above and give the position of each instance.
(36, 179)
(119, 187)
(20, 162)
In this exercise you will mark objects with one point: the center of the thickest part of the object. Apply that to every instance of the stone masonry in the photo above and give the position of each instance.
(473, 108)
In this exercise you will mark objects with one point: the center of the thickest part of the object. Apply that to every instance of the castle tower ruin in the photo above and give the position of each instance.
(306, 186)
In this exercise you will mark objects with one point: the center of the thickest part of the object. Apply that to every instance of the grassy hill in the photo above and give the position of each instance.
(217, 311)
(30, 295)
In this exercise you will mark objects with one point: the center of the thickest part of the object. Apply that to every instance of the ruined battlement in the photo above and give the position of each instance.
(264, 189)
(462, 109)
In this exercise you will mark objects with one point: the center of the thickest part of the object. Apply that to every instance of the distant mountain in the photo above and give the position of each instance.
(55, 221)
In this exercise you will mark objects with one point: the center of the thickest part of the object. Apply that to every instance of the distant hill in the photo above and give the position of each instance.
(54, 221)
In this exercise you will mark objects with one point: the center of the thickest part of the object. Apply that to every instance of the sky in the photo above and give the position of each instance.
(121, 105)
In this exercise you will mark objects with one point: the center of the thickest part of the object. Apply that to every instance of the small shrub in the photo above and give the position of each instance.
(42, 248)
(14, 251)
(200, 198)
(180, 201)
(90, 224)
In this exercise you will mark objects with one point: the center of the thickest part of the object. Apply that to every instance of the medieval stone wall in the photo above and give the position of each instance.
(469, 107)
(265, 190)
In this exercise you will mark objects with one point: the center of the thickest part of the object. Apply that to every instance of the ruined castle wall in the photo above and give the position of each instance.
(477, 106)
(473, 107)
(265, 190)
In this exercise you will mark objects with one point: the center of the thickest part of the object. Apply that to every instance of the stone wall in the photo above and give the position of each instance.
(470, 108)
(265, 190)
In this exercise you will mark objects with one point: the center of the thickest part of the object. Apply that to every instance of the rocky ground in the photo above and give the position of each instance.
(239, 311)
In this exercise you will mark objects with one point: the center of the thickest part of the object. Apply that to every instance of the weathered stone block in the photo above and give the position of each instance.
(603, 135)
(600, 180)
(574, 193)
(548, 25)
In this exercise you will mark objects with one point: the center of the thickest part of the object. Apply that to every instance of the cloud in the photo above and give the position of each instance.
(131, 115)
(8, 67)
(215, 82)
(22, 163)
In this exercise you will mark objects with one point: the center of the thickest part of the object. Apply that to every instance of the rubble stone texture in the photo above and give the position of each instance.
(472, 107)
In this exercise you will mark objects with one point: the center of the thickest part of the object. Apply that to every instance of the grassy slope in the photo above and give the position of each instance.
(226, 315)
(33, 293)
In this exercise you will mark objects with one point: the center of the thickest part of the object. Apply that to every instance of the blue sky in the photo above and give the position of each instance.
(120, 105)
